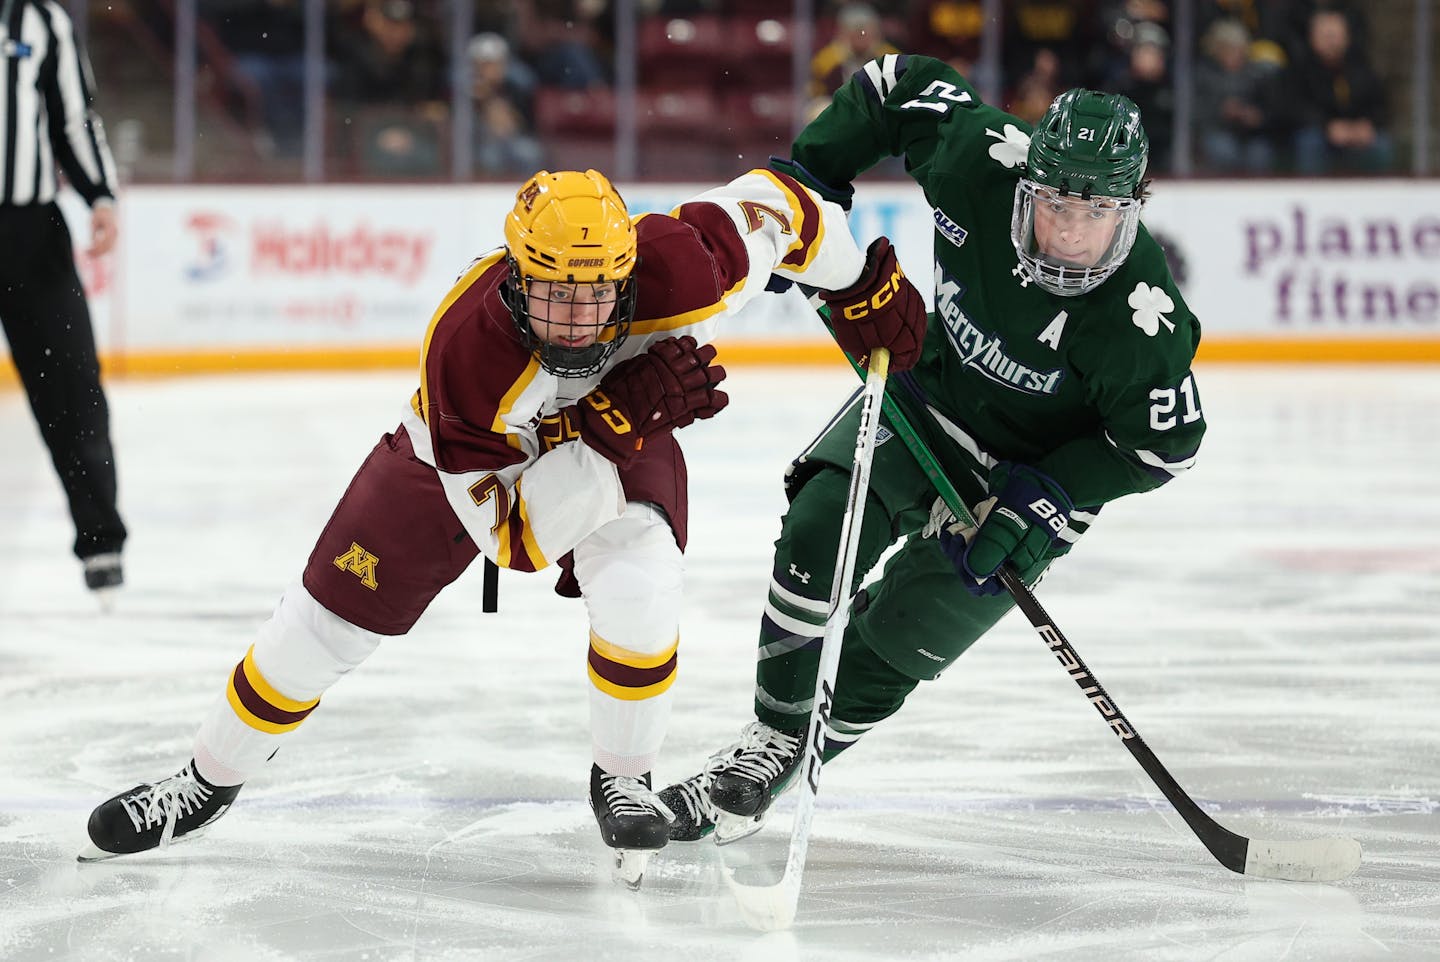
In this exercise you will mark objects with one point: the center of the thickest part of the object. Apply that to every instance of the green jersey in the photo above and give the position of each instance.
(1094, 390)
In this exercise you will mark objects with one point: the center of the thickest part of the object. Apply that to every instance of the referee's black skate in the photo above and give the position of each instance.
(153, 816)
(759, 767)
(104, 576)
(633, 821)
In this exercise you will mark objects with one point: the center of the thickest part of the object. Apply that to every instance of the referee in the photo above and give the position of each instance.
(45, 89)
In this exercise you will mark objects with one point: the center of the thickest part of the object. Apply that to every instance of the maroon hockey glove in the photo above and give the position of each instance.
(881, 309)
(667, 387)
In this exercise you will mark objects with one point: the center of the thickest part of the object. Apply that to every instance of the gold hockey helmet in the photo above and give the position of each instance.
(570, 228)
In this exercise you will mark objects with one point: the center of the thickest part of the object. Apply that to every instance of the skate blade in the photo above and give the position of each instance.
(105, 599)
(629, 867)
(732, 828)
(90, 853)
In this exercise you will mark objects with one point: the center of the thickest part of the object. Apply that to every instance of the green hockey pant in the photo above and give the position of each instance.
(908, 626)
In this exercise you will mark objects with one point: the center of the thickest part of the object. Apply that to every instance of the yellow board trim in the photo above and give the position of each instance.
(1223, 350)
(633, 659)
(632, 694)
(1320, 350)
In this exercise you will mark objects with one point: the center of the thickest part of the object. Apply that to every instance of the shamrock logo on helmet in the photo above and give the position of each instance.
(1151, 305)
(1011, 147)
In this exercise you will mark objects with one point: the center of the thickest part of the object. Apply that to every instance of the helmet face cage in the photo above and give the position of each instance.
(571, 230)
(1088, 148)
(1058, 276)
(559, 359)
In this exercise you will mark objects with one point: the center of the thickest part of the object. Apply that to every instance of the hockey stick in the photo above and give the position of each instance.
(1309, 860)
(490, 588)
(771, 907)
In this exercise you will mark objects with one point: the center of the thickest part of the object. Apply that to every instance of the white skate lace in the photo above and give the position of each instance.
(626, 795)
(763, 753)
(695, 790)
(166, 802)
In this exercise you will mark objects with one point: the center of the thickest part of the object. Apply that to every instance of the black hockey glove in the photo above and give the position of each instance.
(669, 386)
(881, 309)
(1019, 524)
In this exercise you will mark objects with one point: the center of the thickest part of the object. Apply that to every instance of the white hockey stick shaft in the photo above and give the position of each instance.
(773, 907)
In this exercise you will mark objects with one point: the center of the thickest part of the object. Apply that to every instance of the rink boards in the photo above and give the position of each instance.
(217, 278)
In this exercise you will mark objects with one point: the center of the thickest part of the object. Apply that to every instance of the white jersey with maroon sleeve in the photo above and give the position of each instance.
(494, 423)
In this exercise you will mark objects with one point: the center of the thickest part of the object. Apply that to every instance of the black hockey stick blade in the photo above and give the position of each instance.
(490, 588)
(1300, 860)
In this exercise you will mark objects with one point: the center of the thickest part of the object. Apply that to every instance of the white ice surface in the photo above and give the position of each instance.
(1268, 623)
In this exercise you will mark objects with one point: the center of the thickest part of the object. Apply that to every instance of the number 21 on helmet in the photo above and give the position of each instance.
(1077, 208)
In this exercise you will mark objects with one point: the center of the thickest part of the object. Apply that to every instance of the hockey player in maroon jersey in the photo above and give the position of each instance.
(554, 373)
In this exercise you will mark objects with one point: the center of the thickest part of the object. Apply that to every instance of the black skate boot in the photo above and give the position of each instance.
(760, 766)
(152, 816)
(104, 576)
(633, 821)
(690, 800)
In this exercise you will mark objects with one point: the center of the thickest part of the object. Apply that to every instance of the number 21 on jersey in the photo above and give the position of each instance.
(947, 94)
(1169, 405)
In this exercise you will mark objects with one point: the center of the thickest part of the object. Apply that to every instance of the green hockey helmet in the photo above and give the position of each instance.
(1085, 166)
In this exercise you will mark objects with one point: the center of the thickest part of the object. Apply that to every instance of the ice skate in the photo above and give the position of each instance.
(633, 821)
(690, 800)
(104, 575)
(760, 766)
(154, 816)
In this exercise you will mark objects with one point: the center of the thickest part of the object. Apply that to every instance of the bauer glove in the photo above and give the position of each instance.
(669, 386)
(1019, 524)
(881, 309)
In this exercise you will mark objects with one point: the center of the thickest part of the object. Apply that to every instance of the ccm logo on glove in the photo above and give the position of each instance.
(879, 299)
(881, 309)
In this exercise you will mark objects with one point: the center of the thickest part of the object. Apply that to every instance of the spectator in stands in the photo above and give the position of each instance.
(1148, 82)
(562, 40)
(267, 40)
(388, 60)
(1063, 27)
(1280, 23)
(1337, 102)
(1232, 102)
(858, 40)
(1038, 87)
(1287, 22)
(1109, 61)
(948, 30)
(389, 84)
(502, 90)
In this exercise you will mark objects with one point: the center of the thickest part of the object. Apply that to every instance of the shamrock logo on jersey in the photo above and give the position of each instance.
(1151, 305)
(1013, 145)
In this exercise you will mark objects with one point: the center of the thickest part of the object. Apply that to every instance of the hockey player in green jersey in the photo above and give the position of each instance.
(1055, 377)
